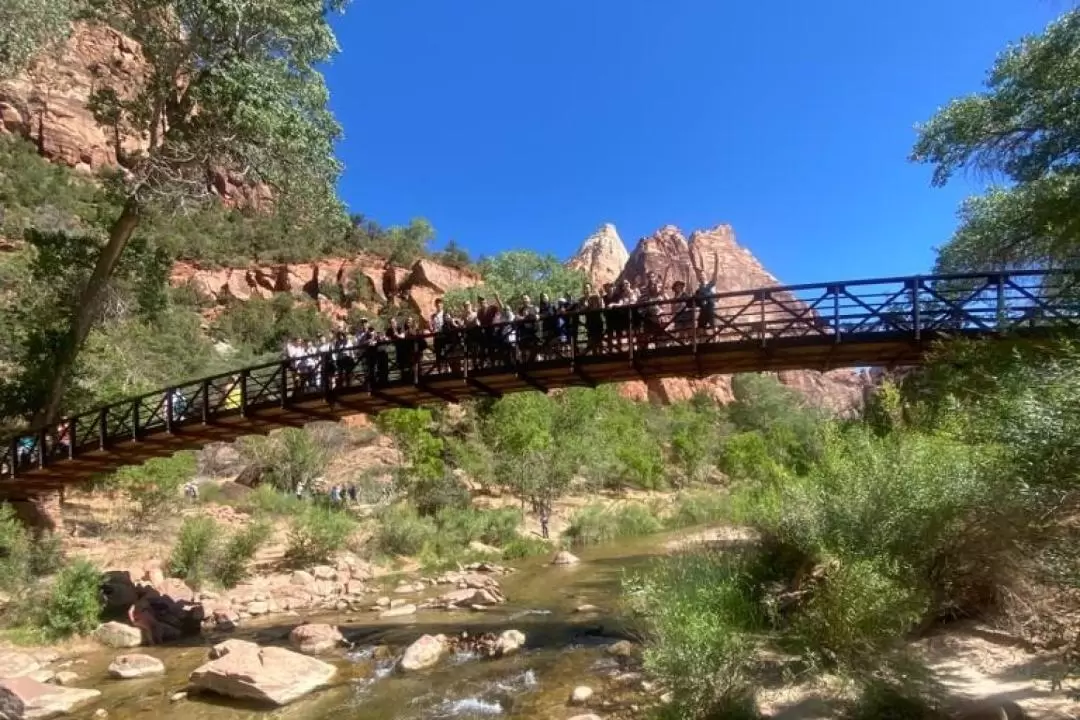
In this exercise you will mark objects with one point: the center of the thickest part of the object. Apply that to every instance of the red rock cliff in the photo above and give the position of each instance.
(48, 104)
(668, 253)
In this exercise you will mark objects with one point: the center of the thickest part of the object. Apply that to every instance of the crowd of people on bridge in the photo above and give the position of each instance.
(492, 331)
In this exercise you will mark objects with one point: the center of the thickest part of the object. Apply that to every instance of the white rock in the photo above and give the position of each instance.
(135, 665)
(400, 611)
(243, 670)
(118, 635)
(581, 695)
(424, 653)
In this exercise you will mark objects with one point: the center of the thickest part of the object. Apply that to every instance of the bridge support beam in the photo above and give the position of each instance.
(483, 387)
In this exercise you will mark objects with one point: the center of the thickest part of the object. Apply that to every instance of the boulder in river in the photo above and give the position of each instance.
(399, 611)
(273, 675)
(135, 665)
(17, 664)
(509, 642)
(315, 638)
(26, 699)
(565, 558)
(581, 695)
(118, 635)
(424, 653)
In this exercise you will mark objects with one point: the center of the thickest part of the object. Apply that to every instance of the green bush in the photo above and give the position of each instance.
(402, 531)
(524, 546)
(233, 564)
(698, 508)
(195, 551)
(266, 499)
(155, 487)
(595, 524)
(286, 458)
(316, 535)
(74, 605)
(700, 618)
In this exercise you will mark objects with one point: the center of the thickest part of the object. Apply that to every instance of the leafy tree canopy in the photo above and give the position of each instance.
(523, 272)
(1021, 129)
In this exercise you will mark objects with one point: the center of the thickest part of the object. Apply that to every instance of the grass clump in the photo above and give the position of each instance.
(524, 546)
(596, 523)
(697, 508)
(444, 538)
(233, 564)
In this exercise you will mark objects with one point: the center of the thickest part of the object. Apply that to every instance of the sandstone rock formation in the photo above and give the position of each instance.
(48, 105)
(26, 698)
(668, 254)
(364, 277)
(602, 256)
(424, 653)
(273, 675)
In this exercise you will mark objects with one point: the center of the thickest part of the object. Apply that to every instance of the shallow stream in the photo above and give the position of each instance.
(564, 649)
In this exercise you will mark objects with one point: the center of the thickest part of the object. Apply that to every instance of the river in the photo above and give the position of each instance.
(564, 649)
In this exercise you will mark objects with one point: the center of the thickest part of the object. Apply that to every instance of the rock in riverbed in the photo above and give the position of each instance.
(315, 638)
(26, 699)
(244, 670)
(424, 653)
(135, 665)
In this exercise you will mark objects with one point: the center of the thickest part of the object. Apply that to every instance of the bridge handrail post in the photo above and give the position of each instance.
(206, 402)
(135, 420)
(837, 332)
(283, 383)
(324, 378)
(999, 314)
(42, 436)
(243, 391)
(103, 428)
(630, 331)
(761, 294)
(13, 457)
(916, 306)
(169, 409)
(72, 427)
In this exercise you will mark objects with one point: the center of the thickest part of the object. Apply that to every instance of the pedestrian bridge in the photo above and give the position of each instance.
(875, 322)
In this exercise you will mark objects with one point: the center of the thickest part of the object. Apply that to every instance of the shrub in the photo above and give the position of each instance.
(524, 546)
(595, 524)
(402, 531)
(316, 535)
(155, 486)
(698, 508)
(15, 551)
(287, 458)
(234, 561)
(74, 606)
(699, 616)
(271, 501)
(193, 555)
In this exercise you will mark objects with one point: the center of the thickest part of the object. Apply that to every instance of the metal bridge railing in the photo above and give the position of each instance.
(905, 308)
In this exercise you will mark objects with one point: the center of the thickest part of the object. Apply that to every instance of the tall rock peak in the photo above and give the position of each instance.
(602, 256)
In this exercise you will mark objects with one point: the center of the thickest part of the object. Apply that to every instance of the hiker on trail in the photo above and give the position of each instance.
(299, 491)
(141, 616)
(352, 493)
(191, 491)
(335, 494)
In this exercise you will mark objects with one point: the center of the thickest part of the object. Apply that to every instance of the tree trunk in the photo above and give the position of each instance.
(48, 505)
(87, 310)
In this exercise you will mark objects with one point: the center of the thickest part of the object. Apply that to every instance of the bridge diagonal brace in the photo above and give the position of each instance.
(533, 382)
(874, 312)
(400, 402)
(484, 388)
(436, 393)
(958, 305)
(589, 379)
(796, 316)
(1041, 304)
(728, 322)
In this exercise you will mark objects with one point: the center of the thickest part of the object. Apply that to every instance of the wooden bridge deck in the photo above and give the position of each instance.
(887, 322)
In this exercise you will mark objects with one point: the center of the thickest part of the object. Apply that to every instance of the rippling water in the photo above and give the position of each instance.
(563, 649)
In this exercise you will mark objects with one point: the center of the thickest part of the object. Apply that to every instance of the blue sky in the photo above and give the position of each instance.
(525, 124)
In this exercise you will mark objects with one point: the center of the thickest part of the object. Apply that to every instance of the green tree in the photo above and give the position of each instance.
(26, 26)
(231, 88)
(523, 272)
(1021, 129)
